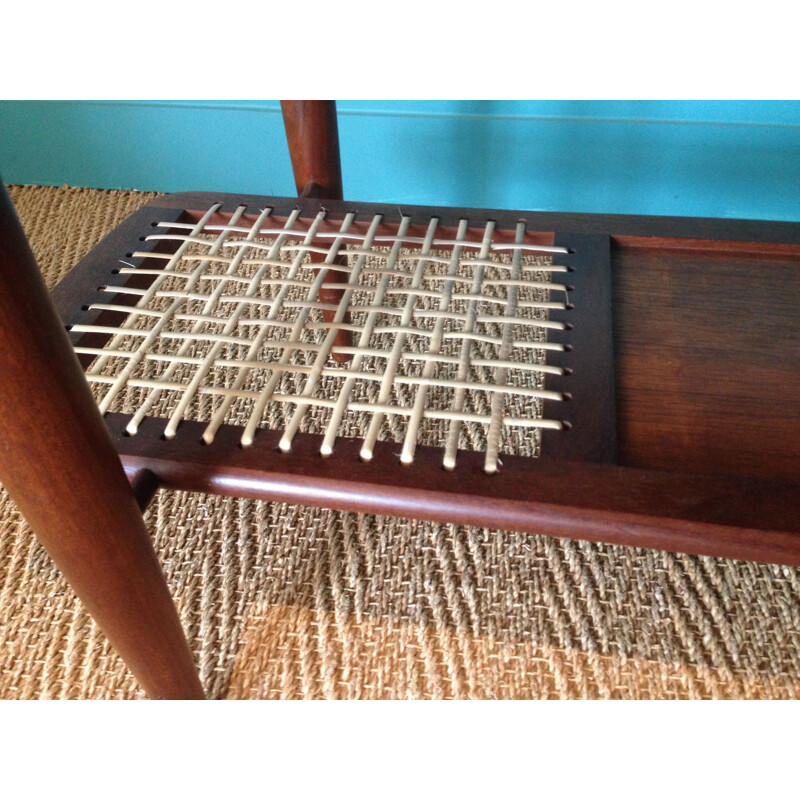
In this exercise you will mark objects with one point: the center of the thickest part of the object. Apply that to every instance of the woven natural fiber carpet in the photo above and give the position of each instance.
(282, 601)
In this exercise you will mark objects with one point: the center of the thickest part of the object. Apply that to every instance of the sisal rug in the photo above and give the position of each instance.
(283, 601)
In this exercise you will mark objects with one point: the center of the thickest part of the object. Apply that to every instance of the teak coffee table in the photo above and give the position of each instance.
(622, 379)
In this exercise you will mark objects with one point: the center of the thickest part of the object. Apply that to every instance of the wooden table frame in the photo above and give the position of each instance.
(693, 443)
(606, 480)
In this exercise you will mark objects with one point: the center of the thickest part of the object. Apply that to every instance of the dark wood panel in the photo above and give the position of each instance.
(590, 412)
(708, 361)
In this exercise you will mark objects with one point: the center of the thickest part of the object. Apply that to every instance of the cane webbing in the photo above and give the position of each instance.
(448, 334)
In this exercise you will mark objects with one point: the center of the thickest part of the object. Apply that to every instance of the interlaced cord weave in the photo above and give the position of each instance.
(449, 335)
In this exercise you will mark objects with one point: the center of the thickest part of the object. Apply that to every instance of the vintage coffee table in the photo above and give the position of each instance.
(629, 380)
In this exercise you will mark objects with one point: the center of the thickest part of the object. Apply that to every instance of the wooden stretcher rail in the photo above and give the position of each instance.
(687, 513)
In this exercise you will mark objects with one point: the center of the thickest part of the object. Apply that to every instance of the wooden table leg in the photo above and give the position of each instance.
(58, 465)
(313, 136)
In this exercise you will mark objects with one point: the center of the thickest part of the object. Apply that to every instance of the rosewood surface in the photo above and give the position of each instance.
(688, 513)
(59, 466)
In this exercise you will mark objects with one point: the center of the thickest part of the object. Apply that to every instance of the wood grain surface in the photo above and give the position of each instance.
(59, 466)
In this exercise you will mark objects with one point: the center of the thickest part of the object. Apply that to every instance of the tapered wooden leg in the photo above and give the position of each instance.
(313, 135)
(58, 465)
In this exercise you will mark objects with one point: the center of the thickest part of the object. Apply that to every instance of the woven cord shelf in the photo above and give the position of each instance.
(475, 383)
(454, 332)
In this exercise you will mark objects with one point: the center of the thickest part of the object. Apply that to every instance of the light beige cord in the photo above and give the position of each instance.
(455, 339)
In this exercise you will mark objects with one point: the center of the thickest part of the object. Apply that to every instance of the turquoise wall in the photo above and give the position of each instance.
(709, 158)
